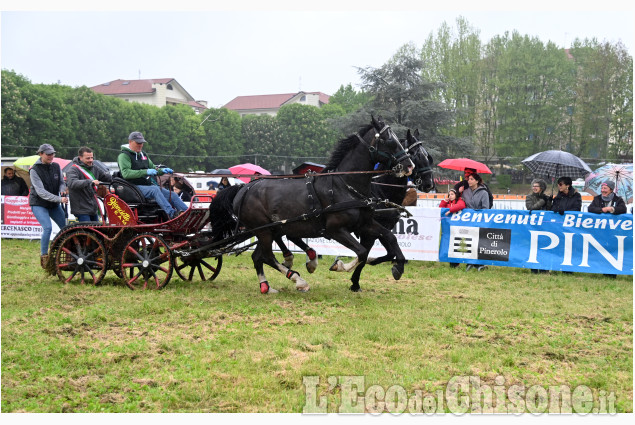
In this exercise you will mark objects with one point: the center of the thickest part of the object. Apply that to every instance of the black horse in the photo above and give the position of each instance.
(393, 189)
(330, 204)
(387, 187)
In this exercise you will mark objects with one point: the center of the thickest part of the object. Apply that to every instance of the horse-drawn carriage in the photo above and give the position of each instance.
(143, 247)
(138, 243)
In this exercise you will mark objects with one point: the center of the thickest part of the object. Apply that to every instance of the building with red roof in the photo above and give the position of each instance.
(158, 92)
(269, 104)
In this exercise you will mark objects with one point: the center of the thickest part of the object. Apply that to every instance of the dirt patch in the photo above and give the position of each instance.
(112, 398)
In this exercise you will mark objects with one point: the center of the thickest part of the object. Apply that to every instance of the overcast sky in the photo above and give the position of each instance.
(217, 54)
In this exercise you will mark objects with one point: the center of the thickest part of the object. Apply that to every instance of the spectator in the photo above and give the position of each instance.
(476, 197)
(567, 199)
(224, 182)
(455, 204)
(137, 168)
(607, 201)
(182, 190)
(538, 200)
(12, 184)
(462, 185)
(48, 191)
(83, 180)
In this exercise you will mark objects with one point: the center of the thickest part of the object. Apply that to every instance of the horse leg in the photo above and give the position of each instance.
(257, 258)
(286, 253)
(270, 259)
(312, 261)
(339, 266)
(346, 239)
(389, 241)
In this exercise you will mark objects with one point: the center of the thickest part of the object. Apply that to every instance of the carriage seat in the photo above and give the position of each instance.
(147, 209)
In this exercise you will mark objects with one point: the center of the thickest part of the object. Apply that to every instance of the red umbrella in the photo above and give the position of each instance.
(462, 163)
(248, 168)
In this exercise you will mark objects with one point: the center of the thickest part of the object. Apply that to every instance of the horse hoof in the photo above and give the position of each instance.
(355, 288)
(303, 288)
(311, 266)
(266, 289)
(336, 265)
(396, 273)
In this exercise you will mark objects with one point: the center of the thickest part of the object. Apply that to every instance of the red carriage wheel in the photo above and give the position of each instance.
(204, 268)
(146, 262)
(81, 257)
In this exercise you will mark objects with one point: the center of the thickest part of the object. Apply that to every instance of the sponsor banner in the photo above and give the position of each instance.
(575, 241)
(18, 222)
(418, 237)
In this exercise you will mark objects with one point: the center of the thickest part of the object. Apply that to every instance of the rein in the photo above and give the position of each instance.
(290, 176)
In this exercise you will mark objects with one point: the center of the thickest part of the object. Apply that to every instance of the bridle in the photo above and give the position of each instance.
(420, 170)
(377, 155)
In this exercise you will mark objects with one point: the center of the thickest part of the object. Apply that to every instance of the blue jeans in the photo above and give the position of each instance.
(161, 196)
(87, 217)
(43, 216)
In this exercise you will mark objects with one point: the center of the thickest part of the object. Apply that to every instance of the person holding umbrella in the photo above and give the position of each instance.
(607, 202)
(48, 191)
(567, 199)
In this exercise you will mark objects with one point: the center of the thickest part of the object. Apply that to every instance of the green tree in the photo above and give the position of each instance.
(305, 134)
(261, 139)
(531, 95)
(223, 138)
(405, 100)
(50, 119)
(15, 110)
(604, 100)
(349, 99)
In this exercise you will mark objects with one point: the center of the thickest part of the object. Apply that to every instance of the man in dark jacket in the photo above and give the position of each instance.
(13, 185)
(607, 201)
(137, 168)
(567, 199)
(82, 180)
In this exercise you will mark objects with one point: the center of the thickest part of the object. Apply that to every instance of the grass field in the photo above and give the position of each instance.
(224, 347)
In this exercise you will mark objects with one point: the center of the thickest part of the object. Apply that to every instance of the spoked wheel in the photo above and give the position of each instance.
(146, 262)
(81, 257)
(205, 268)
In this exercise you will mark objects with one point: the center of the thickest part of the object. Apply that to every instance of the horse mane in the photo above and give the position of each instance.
(343, 147)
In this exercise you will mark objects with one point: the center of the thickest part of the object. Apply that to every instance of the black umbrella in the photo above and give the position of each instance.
(554, 164)
(221, 171)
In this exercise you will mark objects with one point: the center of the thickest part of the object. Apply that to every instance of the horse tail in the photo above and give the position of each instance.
(222, 215)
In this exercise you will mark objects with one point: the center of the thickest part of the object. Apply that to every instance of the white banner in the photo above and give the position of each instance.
(418, 238)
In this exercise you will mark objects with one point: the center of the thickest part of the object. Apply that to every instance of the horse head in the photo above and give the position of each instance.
(388, 150)
(422, 173)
